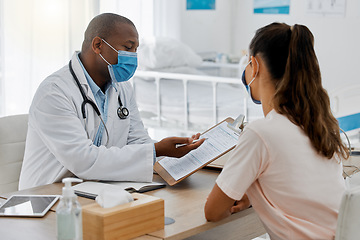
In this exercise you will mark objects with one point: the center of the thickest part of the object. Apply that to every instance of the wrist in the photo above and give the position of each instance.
(157, 147)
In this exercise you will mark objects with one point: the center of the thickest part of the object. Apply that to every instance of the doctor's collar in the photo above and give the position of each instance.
(93, 86)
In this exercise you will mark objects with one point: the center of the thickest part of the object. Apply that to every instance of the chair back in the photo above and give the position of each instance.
(349, 215)
(13, 130)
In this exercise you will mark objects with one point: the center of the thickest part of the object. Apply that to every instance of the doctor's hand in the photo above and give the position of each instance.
(167, 146)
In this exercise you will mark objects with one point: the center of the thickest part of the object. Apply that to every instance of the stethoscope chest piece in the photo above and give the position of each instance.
(122, 112)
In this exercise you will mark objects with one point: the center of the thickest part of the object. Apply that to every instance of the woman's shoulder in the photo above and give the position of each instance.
(261, 122)
(271, 124)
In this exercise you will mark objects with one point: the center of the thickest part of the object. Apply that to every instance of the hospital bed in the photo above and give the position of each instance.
(179, 94)
(183, 103)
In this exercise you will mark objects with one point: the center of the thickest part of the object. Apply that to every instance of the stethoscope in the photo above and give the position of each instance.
(122, 111)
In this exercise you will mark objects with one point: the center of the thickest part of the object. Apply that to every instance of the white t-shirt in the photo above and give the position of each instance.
(295, 191)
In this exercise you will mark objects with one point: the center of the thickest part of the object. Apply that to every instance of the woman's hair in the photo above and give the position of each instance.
(288, 53)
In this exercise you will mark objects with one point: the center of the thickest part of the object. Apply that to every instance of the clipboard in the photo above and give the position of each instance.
(233, 126)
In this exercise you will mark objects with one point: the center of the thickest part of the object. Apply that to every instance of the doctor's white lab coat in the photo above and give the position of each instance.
(57, 145)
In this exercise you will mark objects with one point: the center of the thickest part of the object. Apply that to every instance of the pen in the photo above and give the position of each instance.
(184, 144)
(86, 195)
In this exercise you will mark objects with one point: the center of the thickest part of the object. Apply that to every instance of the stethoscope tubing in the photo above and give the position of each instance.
(87, 100)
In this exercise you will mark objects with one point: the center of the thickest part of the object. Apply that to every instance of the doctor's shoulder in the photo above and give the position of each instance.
(61, 75)
(59, 82)
(126, 88)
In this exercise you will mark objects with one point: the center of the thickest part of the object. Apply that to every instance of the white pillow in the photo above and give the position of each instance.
(156, 53)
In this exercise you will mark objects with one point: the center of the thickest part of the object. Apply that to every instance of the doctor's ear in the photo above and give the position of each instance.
(96, 45)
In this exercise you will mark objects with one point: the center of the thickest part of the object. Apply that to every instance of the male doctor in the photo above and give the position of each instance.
(66, 134)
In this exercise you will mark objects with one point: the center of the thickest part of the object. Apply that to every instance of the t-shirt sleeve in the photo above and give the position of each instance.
(247, 162)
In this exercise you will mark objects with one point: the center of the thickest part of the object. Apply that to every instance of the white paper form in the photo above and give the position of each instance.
(219, 139)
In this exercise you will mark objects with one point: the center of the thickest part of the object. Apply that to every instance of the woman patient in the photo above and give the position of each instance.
(287, 165)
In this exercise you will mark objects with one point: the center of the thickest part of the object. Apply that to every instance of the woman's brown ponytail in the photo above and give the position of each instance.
(299, 93)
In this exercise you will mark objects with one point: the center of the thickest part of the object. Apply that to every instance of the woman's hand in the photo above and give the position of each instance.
(240, 205)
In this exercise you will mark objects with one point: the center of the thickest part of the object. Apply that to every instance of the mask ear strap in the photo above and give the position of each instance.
(104, 59)
(109, 45)
(257, 63)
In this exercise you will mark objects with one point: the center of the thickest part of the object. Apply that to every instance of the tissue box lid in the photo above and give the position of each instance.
(144, 215)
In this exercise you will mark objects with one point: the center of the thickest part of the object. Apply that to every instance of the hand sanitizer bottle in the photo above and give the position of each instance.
(68, 213)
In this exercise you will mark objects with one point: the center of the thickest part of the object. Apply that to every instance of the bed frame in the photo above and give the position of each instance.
(186, 78)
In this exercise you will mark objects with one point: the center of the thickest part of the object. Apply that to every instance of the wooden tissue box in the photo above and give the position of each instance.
(144, 215)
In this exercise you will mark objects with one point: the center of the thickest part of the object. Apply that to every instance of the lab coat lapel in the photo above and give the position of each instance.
(92, 120)
(81, 76)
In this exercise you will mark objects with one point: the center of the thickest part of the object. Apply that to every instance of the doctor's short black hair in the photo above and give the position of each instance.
(103, 26)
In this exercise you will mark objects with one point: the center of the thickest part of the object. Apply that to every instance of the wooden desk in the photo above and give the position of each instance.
(184, 203)
(28, 228)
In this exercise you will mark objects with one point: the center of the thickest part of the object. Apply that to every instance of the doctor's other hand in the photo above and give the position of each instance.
(167, 146)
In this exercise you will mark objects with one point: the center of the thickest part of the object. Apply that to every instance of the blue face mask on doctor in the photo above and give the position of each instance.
(125, 67)
(247, 86)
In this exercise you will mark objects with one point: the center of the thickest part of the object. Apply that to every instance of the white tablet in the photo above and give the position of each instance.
(28, 205)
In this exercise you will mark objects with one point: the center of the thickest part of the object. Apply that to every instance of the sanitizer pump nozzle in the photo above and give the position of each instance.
(67, 190)
(68, 213)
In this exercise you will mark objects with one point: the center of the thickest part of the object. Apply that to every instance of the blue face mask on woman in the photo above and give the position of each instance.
(125, 67)
(248, 89)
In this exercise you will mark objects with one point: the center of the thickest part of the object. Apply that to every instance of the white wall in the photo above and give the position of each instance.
(140, 12)
(208, 30)
(202, 30)
(337, 39)
(167, 18)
